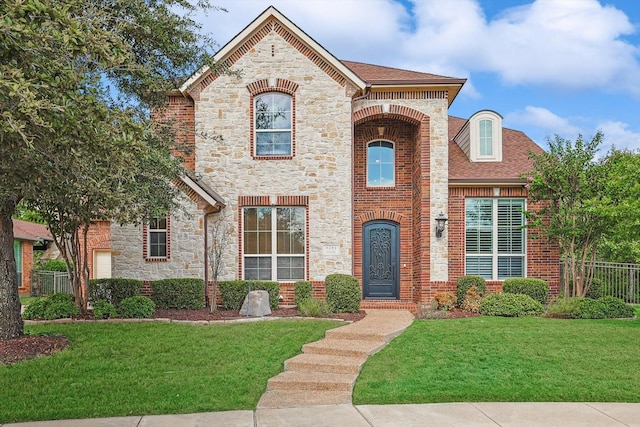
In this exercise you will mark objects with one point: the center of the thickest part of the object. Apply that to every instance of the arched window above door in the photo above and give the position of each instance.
(380, 164)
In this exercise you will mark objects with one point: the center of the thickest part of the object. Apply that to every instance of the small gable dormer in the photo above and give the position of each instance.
(481, 137)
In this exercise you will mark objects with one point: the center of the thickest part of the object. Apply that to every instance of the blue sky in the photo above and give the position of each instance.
(549, 67)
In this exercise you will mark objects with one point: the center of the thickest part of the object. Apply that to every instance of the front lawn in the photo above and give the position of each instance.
(151, 368)
(493, 359)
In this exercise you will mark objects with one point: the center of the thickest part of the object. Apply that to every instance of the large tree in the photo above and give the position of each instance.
(583, 200)
(77, 82)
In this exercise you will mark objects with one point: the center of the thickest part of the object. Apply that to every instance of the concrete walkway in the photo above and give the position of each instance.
(437, 414)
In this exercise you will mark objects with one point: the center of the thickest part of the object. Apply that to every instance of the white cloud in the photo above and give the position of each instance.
(538, 117)
(619, 135)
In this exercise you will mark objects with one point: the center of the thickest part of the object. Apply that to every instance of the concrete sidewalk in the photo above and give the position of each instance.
(437, 414)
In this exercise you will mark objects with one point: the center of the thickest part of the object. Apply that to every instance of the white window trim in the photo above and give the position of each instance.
(494, 230)
(158, 230)
(274, 245)
(393, 147)
(496, 134)
(257, 131)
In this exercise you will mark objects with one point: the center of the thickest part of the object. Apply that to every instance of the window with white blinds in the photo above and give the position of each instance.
(495, 238)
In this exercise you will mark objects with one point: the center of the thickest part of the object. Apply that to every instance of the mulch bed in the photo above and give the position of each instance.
(31, 346)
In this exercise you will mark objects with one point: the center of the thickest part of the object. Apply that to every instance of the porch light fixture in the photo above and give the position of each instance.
(441, 219)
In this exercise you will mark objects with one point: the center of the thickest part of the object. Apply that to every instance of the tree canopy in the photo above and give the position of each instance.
(78, 80)
(585, 200)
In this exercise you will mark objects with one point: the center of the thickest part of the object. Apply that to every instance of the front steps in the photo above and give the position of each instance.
(326, 371)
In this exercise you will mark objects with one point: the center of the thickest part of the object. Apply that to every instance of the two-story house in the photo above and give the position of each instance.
(324, 166)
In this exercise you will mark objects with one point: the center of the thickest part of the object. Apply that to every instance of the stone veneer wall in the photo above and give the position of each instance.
(186, 248)
(319, 169)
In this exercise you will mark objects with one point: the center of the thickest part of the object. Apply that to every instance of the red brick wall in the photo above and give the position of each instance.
(27, 266)
(542, 257)
(391, 203)
(98, 237)
(180, 112)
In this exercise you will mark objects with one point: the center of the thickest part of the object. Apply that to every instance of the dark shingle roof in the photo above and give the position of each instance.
(377, 74)
(515, 158)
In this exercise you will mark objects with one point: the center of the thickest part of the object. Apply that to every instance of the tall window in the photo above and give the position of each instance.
(17, 254)
(273, 124)
(274, 243)
(157, 232)
(495, 238)
(486, 138)
(380, 164)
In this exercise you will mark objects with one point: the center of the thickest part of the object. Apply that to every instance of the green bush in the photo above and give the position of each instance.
(567, 308)
(55, 306)
(537, 289)
(472, 300)
(314, 307)
(592, 309)
(52, 265)
(233, 292)
(464, 283)
(343, 293)
(138, 307)
(510, 305)
(178, 293)
(595, 289)
(302, 291)
(113, 290)
(616, 308)
(35, 310)
(102, 309)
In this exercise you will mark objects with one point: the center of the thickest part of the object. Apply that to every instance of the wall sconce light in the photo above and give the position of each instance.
(441, 220)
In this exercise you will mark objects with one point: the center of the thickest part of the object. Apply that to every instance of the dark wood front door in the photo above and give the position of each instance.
(380, 260)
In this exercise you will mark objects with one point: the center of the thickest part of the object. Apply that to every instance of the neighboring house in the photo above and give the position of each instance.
(329, 166)
(27, 237)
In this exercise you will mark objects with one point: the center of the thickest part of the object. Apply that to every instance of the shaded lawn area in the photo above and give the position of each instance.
(151, 368)
(493, 359)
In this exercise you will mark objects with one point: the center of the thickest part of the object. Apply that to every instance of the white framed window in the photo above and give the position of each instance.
(157, 237)
(380, 164)
(495, 239)
(486, 137)
(274, 243)
(273, 125)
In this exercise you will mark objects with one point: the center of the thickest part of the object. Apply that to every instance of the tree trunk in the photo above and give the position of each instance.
(11, 324)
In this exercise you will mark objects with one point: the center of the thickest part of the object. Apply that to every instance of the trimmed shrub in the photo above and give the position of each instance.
(592, 309)
(595, 289)
(302, 291)
(537, 289)
(566, 308)
(314, 307)
(52, 265)
(233, 292)
(138, 307)
(178, 293)
(36, 309)
(616, 308)
(102, 309)
(343, 293)
(510, 305)
(464, 283)
(56, 306)
(445, 300)
(113, 290)
(472, 300)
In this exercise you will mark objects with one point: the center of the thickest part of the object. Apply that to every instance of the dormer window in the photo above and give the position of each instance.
(481, 137)
(486, 139)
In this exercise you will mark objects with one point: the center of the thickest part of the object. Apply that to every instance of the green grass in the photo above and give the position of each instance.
(151, 368)
(28, 300)
(506, 359)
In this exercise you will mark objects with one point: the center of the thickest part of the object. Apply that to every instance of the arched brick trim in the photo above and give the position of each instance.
(390, 133)
(262, 86)
(282, 85)
(399, 112)
(381, 214)
(269, 26)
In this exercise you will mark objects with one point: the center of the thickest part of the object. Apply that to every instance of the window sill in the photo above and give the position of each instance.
(272, 157)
